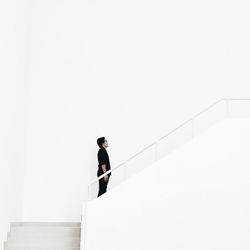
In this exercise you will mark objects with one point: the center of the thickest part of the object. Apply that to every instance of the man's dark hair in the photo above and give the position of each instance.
(100, 141)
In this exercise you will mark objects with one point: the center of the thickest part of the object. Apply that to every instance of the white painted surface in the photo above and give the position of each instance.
(150, 65)
(129, 70)
(196, 198)
(14, 17)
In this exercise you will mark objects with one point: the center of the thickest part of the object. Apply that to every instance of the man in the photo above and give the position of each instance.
(103, 165)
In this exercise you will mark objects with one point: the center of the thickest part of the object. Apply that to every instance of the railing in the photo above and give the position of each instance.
(221, 109)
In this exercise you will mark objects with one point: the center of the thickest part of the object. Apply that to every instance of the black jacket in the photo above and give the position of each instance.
(103, 158)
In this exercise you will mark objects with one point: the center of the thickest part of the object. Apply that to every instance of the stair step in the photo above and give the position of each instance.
(42, 224)
(44, 233)
(42, 248)
(45, 230)
(45, 242)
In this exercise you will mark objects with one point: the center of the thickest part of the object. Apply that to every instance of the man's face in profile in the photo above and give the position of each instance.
(105, 144)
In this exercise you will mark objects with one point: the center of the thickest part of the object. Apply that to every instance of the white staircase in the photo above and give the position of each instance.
(43, 236)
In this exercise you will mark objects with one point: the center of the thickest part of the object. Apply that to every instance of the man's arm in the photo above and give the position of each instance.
(104, 171)
(104, 168)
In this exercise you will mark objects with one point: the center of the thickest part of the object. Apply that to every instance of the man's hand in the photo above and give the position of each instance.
(106, 177)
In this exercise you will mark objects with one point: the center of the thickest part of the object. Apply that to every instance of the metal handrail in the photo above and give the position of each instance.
(169, 133)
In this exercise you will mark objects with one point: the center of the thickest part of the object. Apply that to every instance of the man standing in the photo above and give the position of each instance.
(103, 165)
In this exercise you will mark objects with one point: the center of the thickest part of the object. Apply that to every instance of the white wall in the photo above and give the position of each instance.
(14, 17)
(128, 70)
(195, 198)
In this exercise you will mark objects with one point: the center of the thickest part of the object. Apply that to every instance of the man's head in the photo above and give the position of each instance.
(102, 142)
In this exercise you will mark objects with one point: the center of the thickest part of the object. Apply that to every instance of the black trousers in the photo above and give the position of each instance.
(102, 184)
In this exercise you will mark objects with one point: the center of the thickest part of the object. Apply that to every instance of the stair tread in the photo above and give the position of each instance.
(44, 224)
(42, 248)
